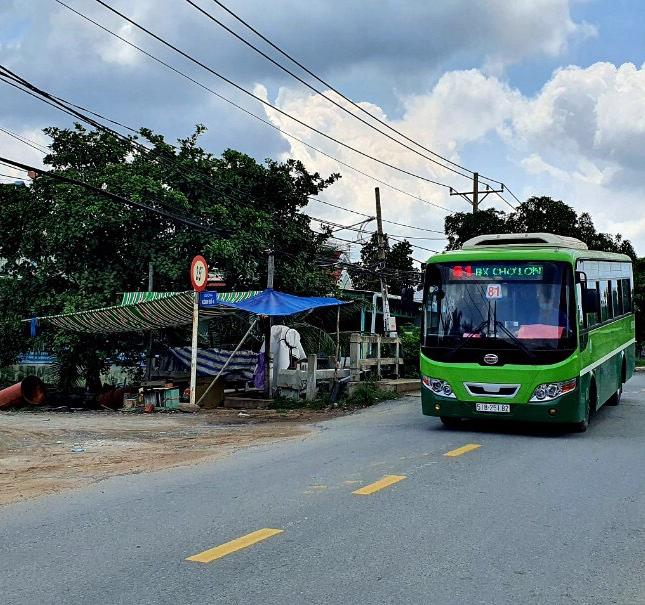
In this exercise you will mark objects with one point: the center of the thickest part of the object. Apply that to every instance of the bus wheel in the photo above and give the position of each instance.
(581, 427)
(450, 422)
(615, 398)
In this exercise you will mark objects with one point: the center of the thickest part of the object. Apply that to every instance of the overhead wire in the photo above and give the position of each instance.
(75, 111)
(25, 140)
(335, 103)
(316, 199)
(189, 221)
(248, 112)
(60, 103)
(267, 103)
(348, 99)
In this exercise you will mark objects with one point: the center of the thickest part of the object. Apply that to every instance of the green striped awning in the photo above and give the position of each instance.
(141, 311)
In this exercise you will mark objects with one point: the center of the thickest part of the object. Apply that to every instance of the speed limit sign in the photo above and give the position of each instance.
(198, 273)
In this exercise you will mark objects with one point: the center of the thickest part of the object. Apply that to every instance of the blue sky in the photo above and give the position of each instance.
(545, 95)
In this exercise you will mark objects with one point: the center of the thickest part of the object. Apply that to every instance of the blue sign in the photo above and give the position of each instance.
(208, 299)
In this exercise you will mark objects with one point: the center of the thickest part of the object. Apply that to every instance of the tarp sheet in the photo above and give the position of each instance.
(211, 361)
(140, 311)
(275, 303)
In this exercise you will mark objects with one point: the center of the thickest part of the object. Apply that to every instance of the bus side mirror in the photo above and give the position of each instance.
(590, 300)
(581, 277)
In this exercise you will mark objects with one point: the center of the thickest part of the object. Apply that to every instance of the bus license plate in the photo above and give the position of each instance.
(504, 408)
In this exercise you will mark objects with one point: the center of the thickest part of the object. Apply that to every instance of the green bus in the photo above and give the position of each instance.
(528, 327)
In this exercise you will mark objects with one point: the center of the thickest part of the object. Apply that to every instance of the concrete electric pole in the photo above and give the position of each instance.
(387, 323)
(475, 198)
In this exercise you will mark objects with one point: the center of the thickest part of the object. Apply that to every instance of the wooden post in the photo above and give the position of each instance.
(193, 349)
(355, 356)
(312, 366)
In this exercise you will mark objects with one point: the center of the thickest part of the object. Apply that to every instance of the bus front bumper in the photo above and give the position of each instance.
(564, 409)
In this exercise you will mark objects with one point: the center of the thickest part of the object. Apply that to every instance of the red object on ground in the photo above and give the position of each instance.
(112, 398)
(31, 390)
(149, 408)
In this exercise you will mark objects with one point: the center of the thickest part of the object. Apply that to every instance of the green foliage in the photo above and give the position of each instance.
(69, 250)
(398, 266)
(639, 298)
(367, 394)
(536, 215)
(410, 345)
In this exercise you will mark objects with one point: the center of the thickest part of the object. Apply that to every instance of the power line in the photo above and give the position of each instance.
(61, 103)
(315, 199)
(266, 103)
(349, 100)
(357, 230)
(123, 200)
(26, 141)
(243, 109)
(341, 107)
(15, 178)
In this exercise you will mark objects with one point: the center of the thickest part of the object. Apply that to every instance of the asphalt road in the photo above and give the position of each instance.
(530, 516)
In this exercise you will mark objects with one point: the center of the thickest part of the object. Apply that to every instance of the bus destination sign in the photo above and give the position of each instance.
(501, 271)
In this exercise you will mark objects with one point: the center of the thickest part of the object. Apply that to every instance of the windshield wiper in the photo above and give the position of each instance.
(467, 338)
(514, 338)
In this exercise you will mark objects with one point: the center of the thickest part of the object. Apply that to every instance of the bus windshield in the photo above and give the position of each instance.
(518, 308)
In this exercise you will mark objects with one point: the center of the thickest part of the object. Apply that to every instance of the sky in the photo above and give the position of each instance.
(546, 96)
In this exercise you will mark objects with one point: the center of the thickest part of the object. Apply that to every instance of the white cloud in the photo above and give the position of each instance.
(581, 138)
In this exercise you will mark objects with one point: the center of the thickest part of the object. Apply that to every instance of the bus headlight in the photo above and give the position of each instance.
(553, 390)
(438, 387)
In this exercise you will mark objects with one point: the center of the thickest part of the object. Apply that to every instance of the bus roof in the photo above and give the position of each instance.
(525, 246)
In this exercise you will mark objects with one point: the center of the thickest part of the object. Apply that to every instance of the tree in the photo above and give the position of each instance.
(68, 250)
(639, 298)
(536, 215)
(399, 270)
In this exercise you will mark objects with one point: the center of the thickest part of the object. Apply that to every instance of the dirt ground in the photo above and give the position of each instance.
(46, 452)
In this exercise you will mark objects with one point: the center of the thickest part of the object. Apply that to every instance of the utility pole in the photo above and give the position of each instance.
(150, 288)
(475, 198)
(475, 192)
(381, 259)
(267, 328)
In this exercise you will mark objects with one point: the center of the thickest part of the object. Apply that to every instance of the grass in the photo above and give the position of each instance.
(640, 363)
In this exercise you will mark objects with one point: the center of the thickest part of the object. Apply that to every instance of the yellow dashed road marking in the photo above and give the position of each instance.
(234, 545)
(469, 447)
(378, 485)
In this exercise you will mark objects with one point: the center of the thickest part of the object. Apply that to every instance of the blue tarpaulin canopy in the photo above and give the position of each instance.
(270, 302)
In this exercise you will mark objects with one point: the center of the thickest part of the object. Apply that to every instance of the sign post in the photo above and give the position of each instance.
(198, 279)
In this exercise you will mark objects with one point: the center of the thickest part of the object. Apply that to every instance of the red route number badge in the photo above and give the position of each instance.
(198, 273)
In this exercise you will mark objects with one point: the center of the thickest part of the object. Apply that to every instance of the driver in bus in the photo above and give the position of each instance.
(548, 320)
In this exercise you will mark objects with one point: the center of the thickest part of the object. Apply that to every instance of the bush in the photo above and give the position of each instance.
(367, 394)
(410, 345)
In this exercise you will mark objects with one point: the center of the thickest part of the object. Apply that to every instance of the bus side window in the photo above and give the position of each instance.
(582, 323)
(605, 300)
(626, 295)
(593, 317)
(616, 300)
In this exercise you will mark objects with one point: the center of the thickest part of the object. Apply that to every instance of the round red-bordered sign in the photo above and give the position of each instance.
(199, 273)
